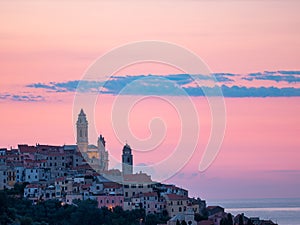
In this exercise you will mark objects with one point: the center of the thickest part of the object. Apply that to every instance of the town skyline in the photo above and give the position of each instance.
(250, 47)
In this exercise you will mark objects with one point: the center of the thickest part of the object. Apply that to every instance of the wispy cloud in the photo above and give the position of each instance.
(178, 85)
(278, 76)
(22, 98)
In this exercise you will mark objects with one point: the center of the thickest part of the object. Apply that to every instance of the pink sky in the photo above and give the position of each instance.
(56, 42)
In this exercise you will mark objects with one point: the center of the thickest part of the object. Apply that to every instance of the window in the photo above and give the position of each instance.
(141, 186)
(107, 201)
(148, 206)
(133, 193)
(126, 186)
(180, 209)
(126, 194)
(4, 181)
(112, 201)
(133, 186)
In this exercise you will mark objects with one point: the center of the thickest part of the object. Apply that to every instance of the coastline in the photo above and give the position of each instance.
(284, 211)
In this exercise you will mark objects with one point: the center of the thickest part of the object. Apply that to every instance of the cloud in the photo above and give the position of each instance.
(22, 98)
(292, 72)
(117, 83)
(177, 85)
(236, 91)
(69, 86)
(224, 77)
(277, 76)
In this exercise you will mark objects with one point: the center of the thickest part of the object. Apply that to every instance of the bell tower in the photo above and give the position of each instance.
(82, 132)
(127, 160)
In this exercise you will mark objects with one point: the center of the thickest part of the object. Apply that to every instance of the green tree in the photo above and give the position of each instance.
(198, 217)
(183, 222)
(249, 222)
(86, 213)
(241, 219)
(229, 219)
(152, 219)
(26, 221)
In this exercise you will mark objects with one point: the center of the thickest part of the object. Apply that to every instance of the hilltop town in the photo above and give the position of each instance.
(70, 173)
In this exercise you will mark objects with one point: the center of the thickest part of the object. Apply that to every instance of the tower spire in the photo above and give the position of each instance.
(127, 160)
(82, 132)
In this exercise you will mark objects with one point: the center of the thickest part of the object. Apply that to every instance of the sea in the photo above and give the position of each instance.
(283, 211)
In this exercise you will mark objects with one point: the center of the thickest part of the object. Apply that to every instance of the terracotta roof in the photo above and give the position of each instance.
(27, 149)
(60, 179)
(149, 194)
(86, 167)
(213, 207)
(137, 178)
(86, 186)
(175, 197)
(111, 185)
(32, 186)
(205, 222)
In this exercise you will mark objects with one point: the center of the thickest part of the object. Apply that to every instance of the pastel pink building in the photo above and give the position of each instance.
(110, 201)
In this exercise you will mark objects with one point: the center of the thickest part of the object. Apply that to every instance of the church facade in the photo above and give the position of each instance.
(97, 156)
